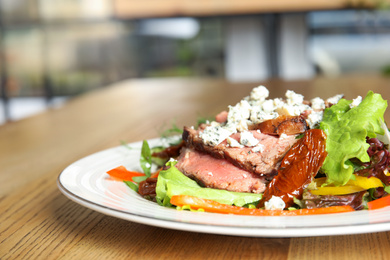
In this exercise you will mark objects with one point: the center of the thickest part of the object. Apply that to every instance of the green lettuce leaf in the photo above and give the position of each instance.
(346, 129)
(172, 182)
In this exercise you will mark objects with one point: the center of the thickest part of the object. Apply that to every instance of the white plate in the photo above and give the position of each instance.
(87, 183)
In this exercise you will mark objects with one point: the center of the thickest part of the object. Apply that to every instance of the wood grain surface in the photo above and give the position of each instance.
(38, 222)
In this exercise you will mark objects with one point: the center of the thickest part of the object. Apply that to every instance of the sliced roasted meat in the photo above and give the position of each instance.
(289, 125)
(298, 168)
(262, 163)
(218, 173)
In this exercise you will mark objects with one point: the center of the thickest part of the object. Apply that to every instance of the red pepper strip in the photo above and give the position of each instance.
(216, 207)
(123, 174)
(379, 203)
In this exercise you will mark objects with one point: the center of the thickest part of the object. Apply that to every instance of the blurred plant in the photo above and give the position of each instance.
(386, 70)
(364, 4)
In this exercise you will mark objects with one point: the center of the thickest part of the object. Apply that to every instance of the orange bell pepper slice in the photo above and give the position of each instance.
(379, 203)
(123, 174)
(216, 207)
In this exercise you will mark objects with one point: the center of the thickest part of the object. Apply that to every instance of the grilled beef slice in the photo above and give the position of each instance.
(263, 163)
(218, 173)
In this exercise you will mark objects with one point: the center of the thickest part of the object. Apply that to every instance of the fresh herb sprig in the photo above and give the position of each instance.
(146, 165)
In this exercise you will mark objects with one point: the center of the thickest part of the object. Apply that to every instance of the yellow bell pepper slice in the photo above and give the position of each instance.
(359, 183)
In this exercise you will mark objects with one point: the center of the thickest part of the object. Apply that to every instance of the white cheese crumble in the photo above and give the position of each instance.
(258, 148)
(247, 139)
(214, 135)
(293, 110)
(256, 108)
(233, 142)
(317, 103)
(258, 115)
(293, 98)
(275, 203)
(355, 102)
(239, 115)
(259, 93)
(314, 118)
(334, 100)
(268, 106)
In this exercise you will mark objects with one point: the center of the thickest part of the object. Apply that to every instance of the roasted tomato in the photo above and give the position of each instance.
(148, 187)
(298, 168)
(289, 125)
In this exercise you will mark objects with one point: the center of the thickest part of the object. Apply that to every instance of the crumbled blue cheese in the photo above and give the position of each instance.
(317, 103)
(334, 100)
(314, 118)
(293, 110)
(293, 98)
(259, 148)
(247, 139)
(278, 103)
(256, 108)
(239, 115)
(258, 115)
(233, 142)
(214, 135)
(355, 102)
(240, 111)
(259, 93)
(275, 203)
(214, 123)
(268, 106)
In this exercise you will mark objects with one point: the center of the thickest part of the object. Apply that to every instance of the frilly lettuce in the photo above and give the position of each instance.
(346, 129)
(172, 182)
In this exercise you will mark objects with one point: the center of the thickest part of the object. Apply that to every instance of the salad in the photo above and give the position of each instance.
(271, 157)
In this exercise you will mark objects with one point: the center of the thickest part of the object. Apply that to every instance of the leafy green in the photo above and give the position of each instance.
(138, 179)
(157, 160)
(132, 185)
(387, 188)
(172, 182)
(146, 159)
(346, 129)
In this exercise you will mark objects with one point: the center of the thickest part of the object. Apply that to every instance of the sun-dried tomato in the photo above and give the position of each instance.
(289, 125)
(148, 187)
(298, 168)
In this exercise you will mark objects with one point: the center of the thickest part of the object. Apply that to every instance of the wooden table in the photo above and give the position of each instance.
(38, 222)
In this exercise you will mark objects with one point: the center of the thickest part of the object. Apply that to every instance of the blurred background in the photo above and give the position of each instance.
(51, 51)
